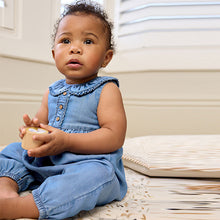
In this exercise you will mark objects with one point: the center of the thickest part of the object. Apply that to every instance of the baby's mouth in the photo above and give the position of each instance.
(74, 63)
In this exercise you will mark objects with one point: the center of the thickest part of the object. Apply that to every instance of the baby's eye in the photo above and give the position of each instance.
(88, 41)
(65, 41)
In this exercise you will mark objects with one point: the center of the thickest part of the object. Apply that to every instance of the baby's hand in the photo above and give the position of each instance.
(54, 142)
(28, 123)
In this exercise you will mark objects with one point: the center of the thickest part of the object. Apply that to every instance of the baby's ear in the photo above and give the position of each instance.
(53, 53)
(108, 57)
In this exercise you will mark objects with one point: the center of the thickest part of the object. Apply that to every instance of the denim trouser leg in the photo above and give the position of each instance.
(81, 186)
(65, 189)
(11, 165)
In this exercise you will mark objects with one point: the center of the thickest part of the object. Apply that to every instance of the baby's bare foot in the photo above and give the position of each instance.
(6, 211)
(7, 194)
(8, 188)
(19, 207)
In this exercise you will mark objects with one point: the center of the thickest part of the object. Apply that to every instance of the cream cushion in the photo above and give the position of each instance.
(174, 155)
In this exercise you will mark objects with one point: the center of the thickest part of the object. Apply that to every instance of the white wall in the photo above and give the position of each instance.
(171, 102)
(163, 95)
(170, 72)
(30, 35)
(22, 85)
(27, 67)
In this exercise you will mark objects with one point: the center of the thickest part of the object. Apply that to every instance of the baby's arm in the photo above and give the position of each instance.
(112, 120)
(42, 114)
(40, 117)
(108, 138)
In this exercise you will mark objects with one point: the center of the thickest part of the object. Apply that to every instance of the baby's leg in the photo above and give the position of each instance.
(18, 207)
(81, 186)
(8, 188)
(14, 176)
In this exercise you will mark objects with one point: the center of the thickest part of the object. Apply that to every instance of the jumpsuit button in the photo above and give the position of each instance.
(64, 93)
(61, 107)
(57, 118)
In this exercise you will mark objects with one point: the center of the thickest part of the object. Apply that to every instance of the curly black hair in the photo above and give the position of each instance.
(91, 8)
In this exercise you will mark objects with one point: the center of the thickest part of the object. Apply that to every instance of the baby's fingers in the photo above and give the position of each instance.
(44, 138)
(27, 120)
(22, 132)
(30, 122)
(35, 122)
(41, 151)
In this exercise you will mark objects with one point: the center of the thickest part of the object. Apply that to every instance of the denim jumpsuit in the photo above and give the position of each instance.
(64, 184)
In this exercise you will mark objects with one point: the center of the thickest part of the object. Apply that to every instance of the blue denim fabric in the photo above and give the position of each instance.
(65, 184)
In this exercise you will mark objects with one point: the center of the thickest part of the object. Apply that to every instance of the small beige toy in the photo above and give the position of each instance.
(28, 142)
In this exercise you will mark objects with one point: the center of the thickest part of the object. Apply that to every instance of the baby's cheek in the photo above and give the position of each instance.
(96, 62)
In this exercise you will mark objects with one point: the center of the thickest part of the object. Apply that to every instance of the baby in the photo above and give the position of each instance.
(79, 164)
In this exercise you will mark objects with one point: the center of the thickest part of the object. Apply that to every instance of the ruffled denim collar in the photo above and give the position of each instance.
(61, 86)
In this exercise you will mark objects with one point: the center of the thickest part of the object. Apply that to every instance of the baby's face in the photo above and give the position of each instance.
(80, 48)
